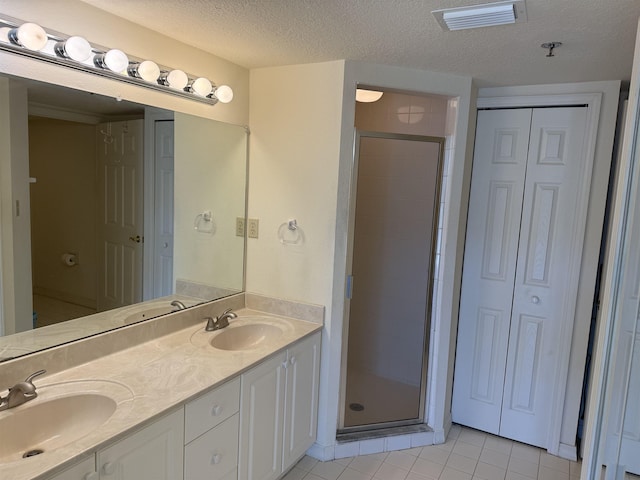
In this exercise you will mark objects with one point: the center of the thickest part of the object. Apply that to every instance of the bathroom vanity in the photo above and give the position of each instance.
(238, 403)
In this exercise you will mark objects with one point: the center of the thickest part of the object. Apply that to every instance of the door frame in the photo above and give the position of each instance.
(570, 347)
(424, 388)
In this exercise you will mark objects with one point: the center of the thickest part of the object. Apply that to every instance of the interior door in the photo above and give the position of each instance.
(547, 272)
(506, 363)
(163, 209)
(120, 240)
(493, 227)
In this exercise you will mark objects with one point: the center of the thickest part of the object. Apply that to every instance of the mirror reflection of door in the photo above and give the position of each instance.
(119, 220)
(70, 195)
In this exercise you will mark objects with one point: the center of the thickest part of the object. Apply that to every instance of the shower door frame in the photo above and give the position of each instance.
(422, 417)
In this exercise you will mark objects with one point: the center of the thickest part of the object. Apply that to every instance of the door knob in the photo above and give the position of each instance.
(535, 299)
(109, 468)
(137, 239)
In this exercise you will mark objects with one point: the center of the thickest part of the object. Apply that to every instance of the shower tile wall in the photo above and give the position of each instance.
(418, 115)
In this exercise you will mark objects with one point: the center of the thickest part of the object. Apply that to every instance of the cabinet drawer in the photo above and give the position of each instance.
(210, 409)
(214, 455)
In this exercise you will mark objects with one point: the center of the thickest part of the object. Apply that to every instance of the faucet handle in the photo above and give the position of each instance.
(34, 375)
(228, 313)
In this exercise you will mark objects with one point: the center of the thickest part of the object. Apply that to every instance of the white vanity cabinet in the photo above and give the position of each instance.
(152, 453)
(278, 411)
(253, 427)
(211, 434)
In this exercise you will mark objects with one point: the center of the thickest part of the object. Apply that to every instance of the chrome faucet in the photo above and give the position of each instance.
(21, 392)
(220, 321)
(179, 304)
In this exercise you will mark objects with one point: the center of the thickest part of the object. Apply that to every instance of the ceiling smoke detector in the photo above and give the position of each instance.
(485, 15)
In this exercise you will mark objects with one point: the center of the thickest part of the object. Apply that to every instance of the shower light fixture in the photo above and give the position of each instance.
(367, 96)
(32, 41)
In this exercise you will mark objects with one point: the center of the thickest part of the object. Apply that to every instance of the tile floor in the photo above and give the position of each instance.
(467, 455)
(51, 310)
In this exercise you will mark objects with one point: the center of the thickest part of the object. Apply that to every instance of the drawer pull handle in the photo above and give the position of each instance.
(109, 468)
(216, 459)
(91, 476)
(216, 410)
(293, 360)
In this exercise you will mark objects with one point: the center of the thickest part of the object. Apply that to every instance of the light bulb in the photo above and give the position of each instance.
(30, 36)
(75, 48)
(115, 60)
(175, 79)
(146, 70)
(201, 86)
(223, 93)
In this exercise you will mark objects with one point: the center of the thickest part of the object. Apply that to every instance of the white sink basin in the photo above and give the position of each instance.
(245, 337)
(62, 413)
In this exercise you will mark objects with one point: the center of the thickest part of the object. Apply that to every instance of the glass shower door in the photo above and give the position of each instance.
(395, 225)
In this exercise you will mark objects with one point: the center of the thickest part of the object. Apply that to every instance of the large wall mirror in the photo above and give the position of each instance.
(128, 210)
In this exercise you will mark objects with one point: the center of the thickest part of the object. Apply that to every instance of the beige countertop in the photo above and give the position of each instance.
(146, 381)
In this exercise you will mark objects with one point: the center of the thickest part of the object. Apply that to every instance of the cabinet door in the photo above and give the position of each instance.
(153, 453)
(85, 470)
(214, 454)
(301, 400)
(261, 420)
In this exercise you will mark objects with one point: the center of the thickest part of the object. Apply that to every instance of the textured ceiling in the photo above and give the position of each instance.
(597, 35)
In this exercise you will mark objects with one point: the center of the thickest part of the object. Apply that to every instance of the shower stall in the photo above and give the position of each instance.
(394, 232)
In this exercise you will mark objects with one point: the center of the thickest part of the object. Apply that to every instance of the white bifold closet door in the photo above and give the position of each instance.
(521, 269)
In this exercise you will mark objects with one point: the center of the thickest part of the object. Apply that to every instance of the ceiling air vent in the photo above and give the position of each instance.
(486, 15)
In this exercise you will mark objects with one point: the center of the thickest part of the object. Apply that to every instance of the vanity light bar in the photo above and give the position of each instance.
(33, 41)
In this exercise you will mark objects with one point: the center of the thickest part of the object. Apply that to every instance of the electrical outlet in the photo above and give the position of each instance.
(253, 227)
(240, 226)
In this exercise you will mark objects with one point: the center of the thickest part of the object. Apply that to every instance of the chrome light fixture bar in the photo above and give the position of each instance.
(33, 41)
(483, 15)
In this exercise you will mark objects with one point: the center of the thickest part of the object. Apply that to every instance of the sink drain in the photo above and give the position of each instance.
(32, 453)
(356, 407)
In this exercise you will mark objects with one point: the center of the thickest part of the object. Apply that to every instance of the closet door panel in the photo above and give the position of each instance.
(547, 272)
(502, 141)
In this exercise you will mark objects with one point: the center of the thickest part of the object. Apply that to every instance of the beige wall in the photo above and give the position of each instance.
(293, 175)
(62, 158)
